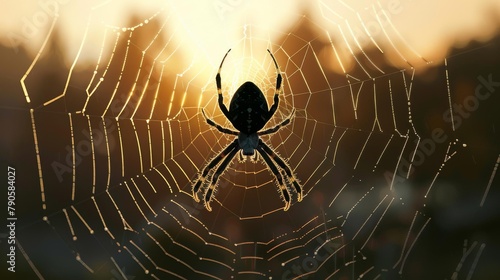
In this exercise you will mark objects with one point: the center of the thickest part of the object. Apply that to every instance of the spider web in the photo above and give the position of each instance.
(110, 152)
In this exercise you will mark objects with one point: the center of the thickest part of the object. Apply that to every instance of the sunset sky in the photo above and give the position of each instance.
(431, 28)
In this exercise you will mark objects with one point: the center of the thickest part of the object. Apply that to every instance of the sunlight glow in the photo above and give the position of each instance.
(211, 28)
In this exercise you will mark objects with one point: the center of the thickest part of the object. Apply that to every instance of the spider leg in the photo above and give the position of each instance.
(285, 166)
(277, 127)
(277, 174)
(219, 127)
(211, 165)
(211, 188)
(222, 107)
(278, 87)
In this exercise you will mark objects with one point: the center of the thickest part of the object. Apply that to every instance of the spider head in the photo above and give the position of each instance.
(248, 151)
(248, 143)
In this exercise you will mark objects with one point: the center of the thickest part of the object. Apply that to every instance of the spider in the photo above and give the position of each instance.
(248, 113)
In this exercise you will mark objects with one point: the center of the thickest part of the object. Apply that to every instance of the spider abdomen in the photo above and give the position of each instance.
(248, 109)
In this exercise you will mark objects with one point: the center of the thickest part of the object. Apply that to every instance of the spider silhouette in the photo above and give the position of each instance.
(248, 113)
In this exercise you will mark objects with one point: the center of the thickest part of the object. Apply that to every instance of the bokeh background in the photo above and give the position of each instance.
(136, 75)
